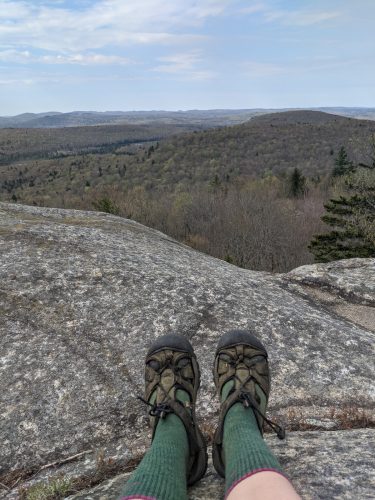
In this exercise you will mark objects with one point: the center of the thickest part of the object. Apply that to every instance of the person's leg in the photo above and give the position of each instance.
(264, 486)
(178, 454)
(239, 453)
(162, 472)
(251, 469)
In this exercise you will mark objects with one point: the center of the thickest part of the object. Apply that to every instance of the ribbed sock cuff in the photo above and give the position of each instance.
(141, 497)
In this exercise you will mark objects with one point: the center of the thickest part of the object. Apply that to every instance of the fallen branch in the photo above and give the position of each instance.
(53, 464)
(64, 461)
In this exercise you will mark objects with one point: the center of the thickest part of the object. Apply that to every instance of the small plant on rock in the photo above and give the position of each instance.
(54, 489)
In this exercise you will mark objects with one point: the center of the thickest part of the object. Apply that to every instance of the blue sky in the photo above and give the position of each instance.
(66, 55)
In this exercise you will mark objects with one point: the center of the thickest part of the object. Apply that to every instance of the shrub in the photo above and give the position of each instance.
(106, 205)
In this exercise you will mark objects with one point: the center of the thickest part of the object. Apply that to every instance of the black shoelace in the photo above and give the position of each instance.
(248, 402)
(160, 410)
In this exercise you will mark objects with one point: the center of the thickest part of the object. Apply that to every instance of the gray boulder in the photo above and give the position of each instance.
(83, 294)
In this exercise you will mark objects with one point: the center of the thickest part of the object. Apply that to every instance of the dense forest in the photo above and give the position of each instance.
(22, 143)
(251, 194)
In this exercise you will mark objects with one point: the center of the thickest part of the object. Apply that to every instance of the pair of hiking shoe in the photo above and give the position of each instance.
(240, 365)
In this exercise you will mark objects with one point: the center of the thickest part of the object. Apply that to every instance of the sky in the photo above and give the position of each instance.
(65, 55)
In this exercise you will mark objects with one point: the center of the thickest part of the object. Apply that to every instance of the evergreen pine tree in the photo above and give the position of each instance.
(352, 219)
(105, 204)
(343, 165)
(297, 184)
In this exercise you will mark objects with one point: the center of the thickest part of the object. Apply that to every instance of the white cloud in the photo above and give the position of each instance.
(12, 10)
(83, 59)
(21, 80)
(14, 81)
(299, 66)
(187, 65)
(255, 8)
(18, 56)
(51, 26)
(301, 18)
(287, 17)
(178, 63)
(259, 70)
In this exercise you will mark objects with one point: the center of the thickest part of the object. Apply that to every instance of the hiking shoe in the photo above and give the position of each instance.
(171, 365)
(241, 359)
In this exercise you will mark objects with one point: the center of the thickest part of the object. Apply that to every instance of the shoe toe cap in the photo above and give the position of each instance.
(171, 341)
(233, 337)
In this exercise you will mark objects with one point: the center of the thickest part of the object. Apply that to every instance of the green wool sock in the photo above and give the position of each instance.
(245, 451)
(162, 473)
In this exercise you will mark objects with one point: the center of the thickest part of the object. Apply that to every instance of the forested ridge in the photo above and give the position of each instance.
(22, 143)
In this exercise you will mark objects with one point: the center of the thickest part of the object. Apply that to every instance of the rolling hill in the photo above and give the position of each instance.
(23, 143)
(267, 145)
(202, 118)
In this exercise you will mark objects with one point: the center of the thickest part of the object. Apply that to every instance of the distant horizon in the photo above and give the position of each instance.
(114, 111)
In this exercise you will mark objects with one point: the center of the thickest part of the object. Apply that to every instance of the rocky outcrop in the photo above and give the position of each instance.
(82, 294)
(322, 465)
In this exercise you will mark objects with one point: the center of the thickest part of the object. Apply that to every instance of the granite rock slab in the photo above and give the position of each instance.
(345, 459)
(82, 295)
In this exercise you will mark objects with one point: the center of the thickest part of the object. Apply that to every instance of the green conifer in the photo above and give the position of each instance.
(105, 204)
(297, 184)
(343, 165)
(352, 219)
